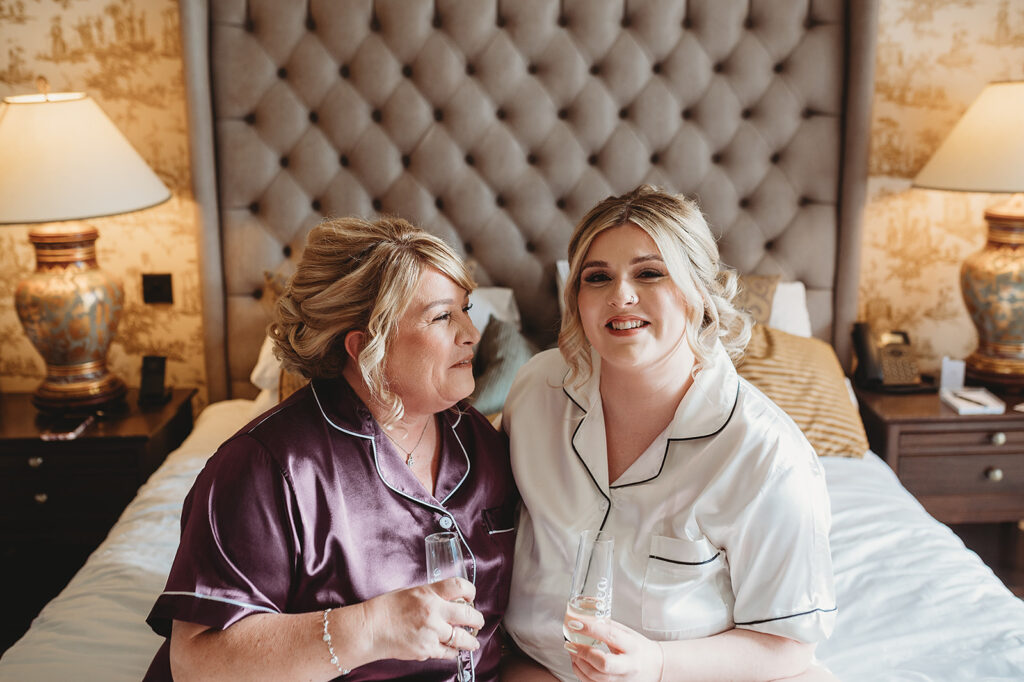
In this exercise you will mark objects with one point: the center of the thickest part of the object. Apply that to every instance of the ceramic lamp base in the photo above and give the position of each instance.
(981, 371)
(82, 388)
(992, 282)
(70, 310)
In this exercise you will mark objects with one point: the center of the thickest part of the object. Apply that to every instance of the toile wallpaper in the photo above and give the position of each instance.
(934, 57)
(126, 54)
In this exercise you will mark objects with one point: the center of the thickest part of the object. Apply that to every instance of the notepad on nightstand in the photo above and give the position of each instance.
(972, 400)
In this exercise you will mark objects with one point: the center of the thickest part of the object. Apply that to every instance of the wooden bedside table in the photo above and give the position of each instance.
(966, 470)
(58, 499)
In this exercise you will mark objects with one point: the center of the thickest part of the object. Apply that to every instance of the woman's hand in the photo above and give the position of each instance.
(630, 655)
(422, 622)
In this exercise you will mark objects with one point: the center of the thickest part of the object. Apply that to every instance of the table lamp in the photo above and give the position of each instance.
(62, 159)
(985, 153)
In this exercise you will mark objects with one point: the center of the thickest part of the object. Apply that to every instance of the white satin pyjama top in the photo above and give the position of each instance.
(722, 522)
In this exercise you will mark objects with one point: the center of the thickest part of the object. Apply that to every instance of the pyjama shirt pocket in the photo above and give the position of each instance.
(687, 592)
(500, 520)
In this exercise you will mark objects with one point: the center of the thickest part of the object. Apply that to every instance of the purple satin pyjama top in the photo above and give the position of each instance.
(310, 506)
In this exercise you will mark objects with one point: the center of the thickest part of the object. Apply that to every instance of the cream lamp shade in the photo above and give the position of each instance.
(985, 150)
(61, 158)
(985, 153)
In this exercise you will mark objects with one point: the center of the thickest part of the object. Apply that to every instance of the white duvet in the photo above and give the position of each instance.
(914, 604)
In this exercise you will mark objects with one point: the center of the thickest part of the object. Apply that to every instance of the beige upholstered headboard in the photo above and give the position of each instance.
(498, 124)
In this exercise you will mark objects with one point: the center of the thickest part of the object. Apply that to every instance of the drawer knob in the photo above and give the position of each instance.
(994, 474)
(998, 438)
(41, 498)
(35, 462)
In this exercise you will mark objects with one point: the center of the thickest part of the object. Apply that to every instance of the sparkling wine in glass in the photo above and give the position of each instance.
(591, 591)
(445, 560)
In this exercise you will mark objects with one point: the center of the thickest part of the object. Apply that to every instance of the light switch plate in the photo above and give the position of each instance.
(157, 288)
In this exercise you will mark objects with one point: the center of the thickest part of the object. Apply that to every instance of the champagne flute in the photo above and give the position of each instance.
(445, 560)
(591, 591)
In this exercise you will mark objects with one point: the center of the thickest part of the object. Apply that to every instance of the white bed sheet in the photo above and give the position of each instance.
(913, 603)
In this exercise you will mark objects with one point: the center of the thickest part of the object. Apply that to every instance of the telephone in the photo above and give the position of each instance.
(885, 361)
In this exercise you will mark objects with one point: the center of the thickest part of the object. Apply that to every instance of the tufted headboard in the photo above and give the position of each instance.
(497, 124)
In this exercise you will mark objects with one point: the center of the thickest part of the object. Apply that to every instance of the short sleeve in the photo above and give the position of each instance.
(779, 557)
(238, 542)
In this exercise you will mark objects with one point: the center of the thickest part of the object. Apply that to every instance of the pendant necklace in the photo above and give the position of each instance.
(408, 453)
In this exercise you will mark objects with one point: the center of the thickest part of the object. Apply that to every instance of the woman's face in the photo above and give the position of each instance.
(429, 362)
(633, 313)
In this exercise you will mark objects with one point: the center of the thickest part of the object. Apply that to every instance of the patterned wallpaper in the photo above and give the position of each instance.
(934, 57)
(126, 54)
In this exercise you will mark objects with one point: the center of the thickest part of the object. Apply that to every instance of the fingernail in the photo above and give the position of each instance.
(571, 648)
(575, 625)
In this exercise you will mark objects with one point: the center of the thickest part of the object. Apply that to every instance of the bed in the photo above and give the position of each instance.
(496, 125)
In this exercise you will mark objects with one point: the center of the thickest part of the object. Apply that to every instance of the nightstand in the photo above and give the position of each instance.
(58, 499)
(966, 470)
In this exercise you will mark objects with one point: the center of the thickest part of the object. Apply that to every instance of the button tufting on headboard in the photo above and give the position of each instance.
(522, 115)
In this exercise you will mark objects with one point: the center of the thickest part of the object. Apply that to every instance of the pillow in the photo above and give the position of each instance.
(271, 379)
(781, 305)
(789, 309)
(496, 302)
(803, 377)
(499, 355)
(756, 295)
(266, 375)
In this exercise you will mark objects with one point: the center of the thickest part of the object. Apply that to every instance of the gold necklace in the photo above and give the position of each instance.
(408, 453)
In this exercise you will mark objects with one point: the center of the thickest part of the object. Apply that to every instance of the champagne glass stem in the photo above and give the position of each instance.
(445, 560)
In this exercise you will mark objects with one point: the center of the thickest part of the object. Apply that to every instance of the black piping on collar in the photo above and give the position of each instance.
(668, 443)
(664, 456)
(569, 396)
(572, 441)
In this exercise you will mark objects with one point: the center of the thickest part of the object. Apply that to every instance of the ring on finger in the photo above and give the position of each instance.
(451, 638)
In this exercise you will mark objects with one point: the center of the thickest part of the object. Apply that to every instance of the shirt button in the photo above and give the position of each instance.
(446, 522)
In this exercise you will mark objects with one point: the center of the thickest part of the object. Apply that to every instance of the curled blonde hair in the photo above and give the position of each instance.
(684, 239)
(356, 275)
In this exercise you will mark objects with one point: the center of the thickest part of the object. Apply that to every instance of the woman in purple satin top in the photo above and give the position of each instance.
(302, 541)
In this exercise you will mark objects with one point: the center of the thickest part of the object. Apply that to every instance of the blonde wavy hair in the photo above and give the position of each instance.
(356, 275)
(681, 234)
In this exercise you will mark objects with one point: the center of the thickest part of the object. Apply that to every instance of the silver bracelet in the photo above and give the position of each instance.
(330, 647)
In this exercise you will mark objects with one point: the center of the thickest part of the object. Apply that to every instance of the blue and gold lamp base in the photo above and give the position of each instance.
(70, 310)
(992, 282)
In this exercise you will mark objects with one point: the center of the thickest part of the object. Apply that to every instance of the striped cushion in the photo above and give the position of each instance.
(804, 378)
